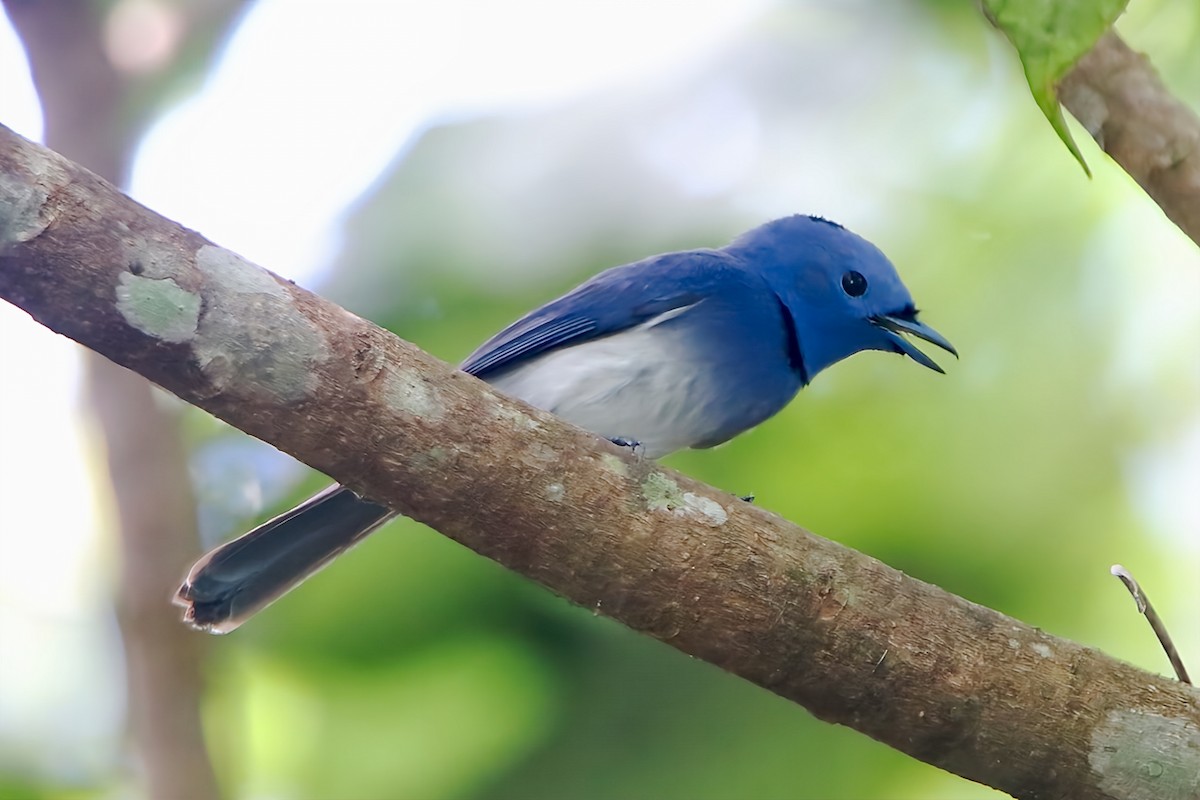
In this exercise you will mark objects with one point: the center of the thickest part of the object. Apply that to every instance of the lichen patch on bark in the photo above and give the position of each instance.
(409, 394)
(158, 307)
(251, 341)
(1141, 754)
(515, 417)
(614, 464)
(24, 209)
(663, 494)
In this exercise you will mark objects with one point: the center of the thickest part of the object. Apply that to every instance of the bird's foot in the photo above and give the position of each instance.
(632, 444)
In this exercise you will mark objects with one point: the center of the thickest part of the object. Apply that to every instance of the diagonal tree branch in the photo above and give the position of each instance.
(1114, 92)
(854, 641)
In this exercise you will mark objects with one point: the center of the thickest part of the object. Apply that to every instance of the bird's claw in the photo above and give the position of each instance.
(624, 441)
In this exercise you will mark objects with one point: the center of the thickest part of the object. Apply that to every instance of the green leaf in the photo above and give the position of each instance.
(1050, 36)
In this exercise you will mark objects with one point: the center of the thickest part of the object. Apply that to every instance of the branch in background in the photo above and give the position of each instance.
(854, 641)
(85, 105)
(1146, 608)
(1115, 94)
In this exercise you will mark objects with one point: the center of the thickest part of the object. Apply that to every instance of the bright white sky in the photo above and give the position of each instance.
(289, 76)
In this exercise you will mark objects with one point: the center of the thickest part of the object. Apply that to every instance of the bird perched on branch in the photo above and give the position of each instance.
(679, 350)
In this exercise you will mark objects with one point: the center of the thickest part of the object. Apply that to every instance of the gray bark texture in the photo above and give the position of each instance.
(852, 640)
(1115, 93)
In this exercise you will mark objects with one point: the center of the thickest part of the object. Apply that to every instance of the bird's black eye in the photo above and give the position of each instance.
(854, 284)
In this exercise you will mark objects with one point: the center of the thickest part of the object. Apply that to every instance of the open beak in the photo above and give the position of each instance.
(893, 325)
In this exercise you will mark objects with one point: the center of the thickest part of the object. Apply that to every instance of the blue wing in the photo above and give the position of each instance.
(613, 301)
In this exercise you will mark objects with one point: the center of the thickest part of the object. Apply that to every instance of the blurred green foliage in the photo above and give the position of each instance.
(413, 668)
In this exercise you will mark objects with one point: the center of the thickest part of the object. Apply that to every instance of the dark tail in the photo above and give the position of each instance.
(237, 580)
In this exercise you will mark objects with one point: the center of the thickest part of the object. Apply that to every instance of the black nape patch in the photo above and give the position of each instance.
(792, 343)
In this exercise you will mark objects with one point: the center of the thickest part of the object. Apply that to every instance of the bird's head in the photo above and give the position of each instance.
(842, 293)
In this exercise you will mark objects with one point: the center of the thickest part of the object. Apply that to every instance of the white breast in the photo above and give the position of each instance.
(640, 384)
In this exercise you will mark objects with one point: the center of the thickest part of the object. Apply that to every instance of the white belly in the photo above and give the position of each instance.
(638, 384)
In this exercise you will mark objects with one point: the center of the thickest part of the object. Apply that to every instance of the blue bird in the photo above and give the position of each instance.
(679, 350)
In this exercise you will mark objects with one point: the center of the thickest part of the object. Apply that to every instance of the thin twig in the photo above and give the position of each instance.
(1160, 630)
